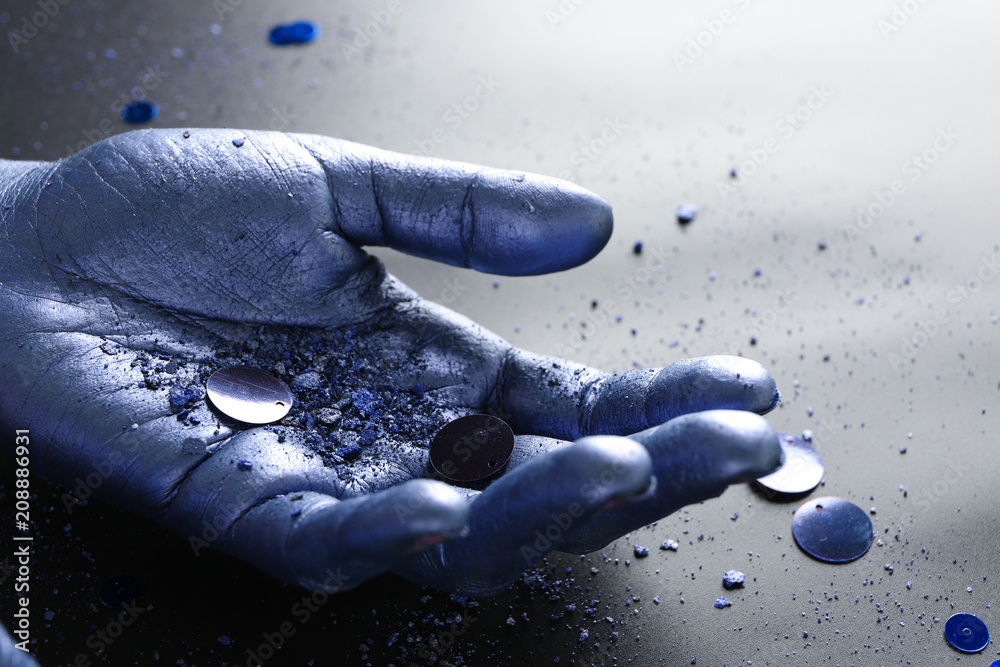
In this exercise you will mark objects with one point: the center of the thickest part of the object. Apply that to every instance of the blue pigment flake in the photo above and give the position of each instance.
(139, 111)
(349, 452)
(301, 32)
(365, 402)
(721, 602)
(181, 396)
(244, 465)
(686, 213)
(641, 552)
(733, 579)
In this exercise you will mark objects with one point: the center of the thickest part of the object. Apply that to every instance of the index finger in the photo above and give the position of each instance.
(492, 220)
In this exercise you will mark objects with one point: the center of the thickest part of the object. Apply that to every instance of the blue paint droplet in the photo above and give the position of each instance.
(139, 111)
(244, 465)
(301, 32)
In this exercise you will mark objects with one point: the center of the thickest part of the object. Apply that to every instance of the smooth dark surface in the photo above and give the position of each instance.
(121, 589)
(967, 633)
(801, 471)
(301, 32)
(832, 529)
(471, 448)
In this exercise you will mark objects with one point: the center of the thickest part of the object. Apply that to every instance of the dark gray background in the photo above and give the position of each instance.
(835, 326)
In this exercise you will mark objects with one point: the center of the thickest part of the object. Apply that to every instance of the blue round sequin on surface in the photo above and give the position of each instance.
(967, 633)
(832, 529)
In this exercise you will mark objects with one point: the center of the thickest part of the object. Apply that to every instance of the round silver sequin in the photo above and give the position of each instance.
(832, 529)
(249, 394)
(801, 471)
(471, 448)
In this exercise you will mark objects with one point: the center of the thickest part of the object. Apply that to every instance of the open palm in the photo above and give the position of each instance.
(133, 270)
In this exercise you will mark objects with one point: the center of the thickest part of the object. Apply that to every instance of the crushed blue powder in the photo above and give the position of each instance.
(365, 402)
(733, 579)
(348, 452)
(181, 396)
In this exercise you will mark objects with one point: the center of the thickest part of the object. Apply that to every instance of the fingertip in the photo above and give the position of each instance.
(695, 458)
(412, 516)
(719, 382)
(755, 445)
(438, 510)
(620, 469)
(760, 387)
(526, 224)
(722, 446)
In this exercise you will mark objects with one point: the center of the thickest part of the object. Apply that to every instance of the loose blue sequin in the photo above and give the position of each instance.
(967, 633)
(832, 529)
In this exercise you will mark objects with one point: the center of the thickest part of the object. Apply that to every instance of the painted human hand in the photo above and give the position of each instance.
(134, 269)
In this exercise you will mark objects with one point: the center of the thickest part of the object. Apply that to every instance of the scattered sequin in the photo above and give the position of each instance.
(967, 633)
(472, 448)
(832, 529)
(801, 471)
(249, 394)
